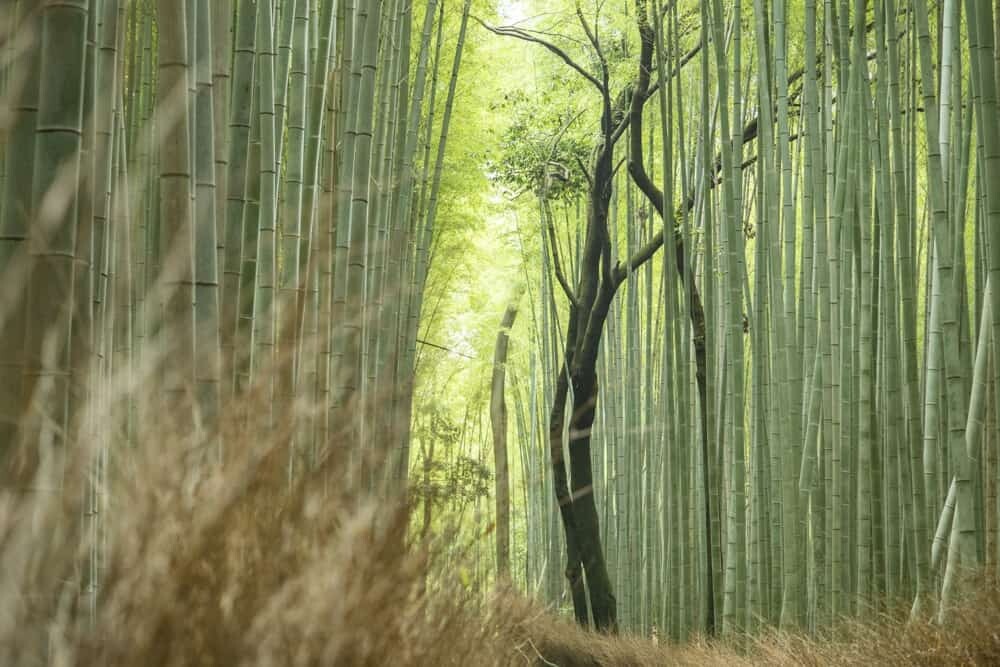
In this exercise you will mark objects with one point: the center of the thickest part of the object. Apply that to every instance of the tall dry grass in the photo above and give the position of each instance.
(970, 637)
(231, 563)
(200, 562)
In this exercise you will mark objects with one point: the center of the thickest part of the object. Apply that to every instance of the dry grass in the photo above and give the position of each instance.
(206, 564)
(229, 564)
(970, 637)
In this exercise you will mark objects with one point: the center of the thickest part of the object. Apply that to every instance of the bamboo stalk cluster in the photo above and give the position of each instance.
(831, 178)
(215, 198)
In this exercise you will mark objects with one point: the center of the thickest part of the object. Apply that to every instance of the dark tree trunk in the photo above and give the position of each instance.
(696, 311)
(598, 282)
(578, 509)
(586, 568)
(599, 279)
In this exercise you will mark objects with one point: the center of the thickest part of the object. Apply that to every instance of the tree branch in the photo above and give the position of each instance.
(592, 36)
(445, 349)
(556, 263)
(584, 170)
(792, 78)
(637, 169)
(524, 35)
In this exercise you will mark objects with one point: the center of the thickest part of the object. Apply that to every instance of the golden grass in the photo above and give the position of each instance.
(229, 564)
(970, 637)
(206, 564)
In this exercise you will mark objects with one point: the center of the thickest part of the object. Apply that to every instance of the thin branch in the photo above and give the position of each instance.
(547, 213)
(584, 170)
(446, 349)
(618, 166)
(556, 263)
(592, 36)
(523, 35)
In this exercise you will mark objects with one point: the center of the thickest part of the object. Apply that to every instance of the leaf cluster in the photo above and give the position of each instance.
(537, 154)
(458, 482)
(445, 479)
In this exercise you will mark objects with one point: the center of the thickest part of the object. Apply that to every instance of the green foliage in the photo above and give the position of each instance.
(448, 480)
(453, 483)
(537, 152)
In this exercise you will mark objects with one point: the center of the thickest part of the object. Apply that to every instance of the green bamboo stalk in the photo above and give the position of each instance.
(208, 368)
(237, 183)
(264, 335)
(15, 219)
(177, 233)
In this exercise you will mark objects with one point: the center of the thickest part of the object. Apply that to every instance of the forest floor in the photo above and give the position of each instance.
(229, 575)
(970, 636)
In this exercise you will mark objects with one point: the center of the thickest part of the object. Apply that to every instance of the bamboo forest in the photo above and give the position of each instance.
(499, 332)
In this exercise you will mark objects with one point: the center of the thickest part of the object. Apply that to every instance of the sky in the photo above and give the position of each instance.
(512, 11)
